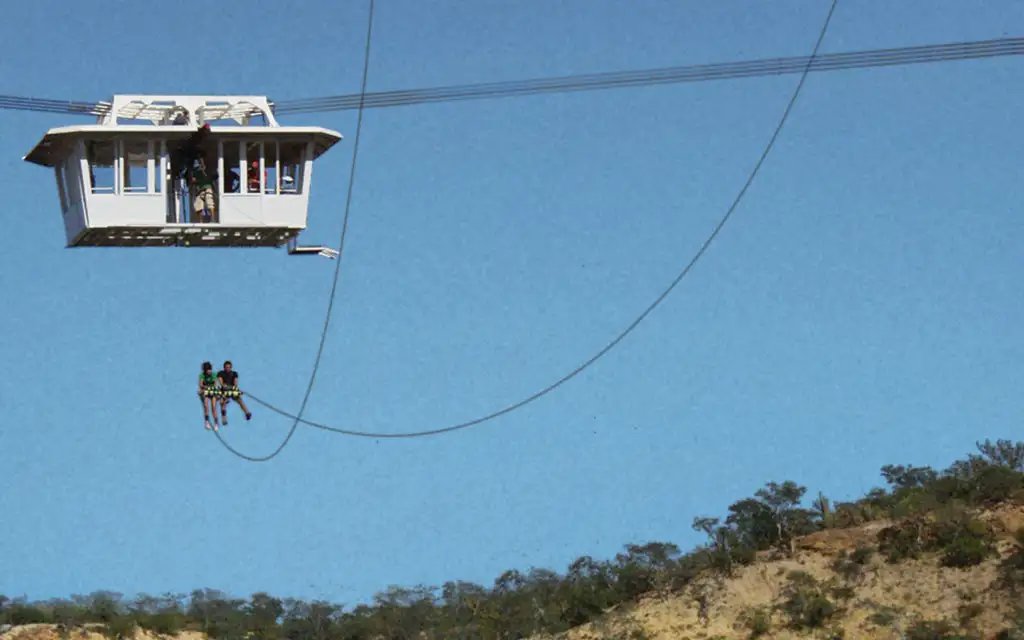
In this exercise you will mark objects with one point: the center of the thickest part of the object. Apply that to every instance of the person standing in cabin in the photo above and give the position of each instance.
(201, 180)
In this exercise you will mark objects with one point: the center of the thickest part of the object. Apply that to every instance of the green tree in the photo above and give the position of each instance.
(263, 614)
(218, 615)
(908, 477)
(309, 621)
(164, 614)
(773, 517)
(1003, 453)
(19, 612)
(586, 591)
(102, 606)
(753, 523)
(462, 604)
(405, 612)
(67, 614)
(641, 567)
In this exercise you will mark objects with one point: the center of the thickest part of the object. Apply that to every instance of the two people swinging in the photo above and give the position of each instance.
(218, 391)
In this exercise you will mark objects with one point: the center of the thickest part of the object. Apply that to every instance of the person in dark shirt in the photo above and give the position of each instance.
(228, 380)
(208, 395)
(202, 180)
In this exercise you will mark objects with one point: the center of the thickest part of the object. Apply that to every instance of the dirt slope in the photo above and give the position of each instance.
(896, 595)
(90, 632)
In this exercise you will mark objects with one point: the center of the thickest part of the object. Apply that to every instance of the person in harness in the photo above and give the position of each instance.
(208, 394)
(202, 180)
(227, 380)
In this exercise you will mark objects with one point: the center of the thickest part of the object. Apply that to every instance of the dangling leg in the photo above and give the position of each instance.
(206, 410)
(224, 400)
(241, 403)
(211, 203)
(213, 409)
(197, 206)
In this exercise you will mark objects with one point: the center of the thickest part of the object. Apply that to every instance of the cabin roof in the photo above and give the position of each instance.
(195, 109)
(57, 143)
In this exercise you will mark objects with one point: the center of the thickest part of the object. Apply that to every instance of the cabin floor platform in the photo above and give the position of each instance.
(185, 235)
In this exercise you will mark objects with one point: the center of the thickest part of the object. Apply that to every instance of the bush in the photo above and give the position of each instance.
(805, 604)
(758, 621)
(19, 614)
(965, 552)
(850, 566)
(68, 615)
(119, 628)
(1011, 570)
(965, 541)
(932, 630)
(884, 617)
(935, 630)
(970, 611)
(164, 623)
(862, 555)
(743, 555)
(996, 484)
(901, 541)
(1015, 631)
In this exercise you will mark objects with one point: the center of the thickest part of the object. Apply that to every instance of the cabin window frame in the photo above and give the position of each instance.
(112, 190)
(264, 168)
(239, 168)
(146, 188)
(242, 168)
(157, 167)
(300, 178)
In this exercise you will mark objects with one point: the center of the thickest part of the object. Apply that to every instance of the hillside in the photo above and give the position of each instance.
(937, 555)
(884, 600)
(873, 598)
(42, 631)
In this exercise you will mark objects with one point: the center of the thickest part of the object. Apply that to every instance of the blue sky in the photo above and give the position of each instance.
(862, 307)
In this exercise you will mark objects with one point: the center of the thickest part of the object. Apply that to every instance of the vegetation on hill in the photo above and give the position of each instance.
(924, 511)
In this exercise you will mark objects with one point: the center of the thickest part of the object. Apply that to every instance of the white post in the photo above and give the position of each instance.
(150, 168)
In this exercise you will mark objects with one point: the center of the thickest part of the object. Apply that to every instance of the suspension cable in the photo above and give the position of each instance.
(946, 52)
(691, 73)
(337, 269)
(685, 270)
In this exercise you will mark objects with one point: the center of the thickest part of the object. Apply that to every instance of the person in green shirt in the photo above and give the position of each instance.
(208, 394)
(201, 179)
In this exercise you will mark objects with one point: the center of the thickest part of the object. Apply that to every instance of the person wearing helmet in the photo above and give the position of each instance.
(227, 380)
(208, 393)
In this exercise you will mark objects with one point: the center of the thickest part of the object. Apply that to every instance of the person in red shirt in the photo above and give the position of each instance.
(254, 176)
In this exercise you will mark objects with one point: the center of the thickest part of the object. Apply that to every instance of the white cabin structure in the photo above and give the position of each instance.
(126, 180)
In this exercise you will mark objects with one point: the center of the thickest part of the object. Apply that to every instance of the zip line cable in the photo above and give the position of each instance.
(337, 269)
(948, 52)
(50, 106)
(686, 269)
(691, 73)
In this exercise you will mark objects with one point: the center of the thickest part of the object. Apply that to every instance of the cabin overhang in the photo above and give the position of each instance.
(58, 143)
